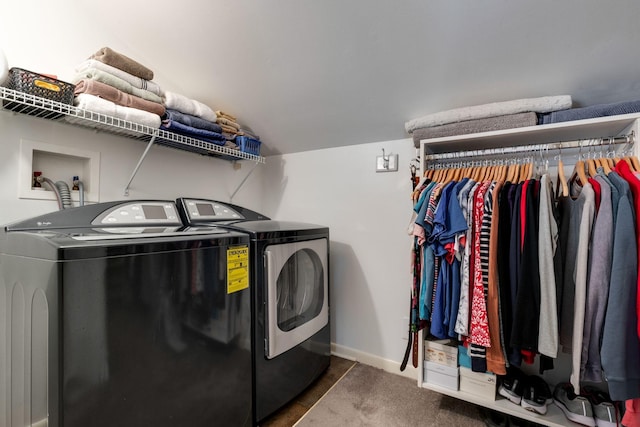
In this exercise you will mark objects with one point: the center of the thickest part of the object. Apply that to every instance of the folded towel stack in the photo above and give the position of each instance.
(591, 112)
(485, 117)
(116, 85)
(121, 81)
(191, 118)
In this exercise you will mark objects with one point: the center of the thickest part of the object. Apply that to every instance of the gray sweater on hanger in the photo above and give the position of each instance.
(620, 350)
(598, 286)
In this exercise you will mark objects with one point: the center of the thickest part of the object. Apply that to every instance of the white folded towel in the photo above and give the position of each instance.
(135, 81)
(175, 101)
(545, 104)
(88, 102)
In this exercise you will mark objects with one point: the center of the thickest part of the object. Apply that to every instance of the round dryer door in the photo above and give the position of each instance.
(297, 293)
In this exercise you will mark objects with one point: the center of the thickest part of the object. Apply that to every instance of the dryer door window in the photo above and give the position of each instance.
(297, 296)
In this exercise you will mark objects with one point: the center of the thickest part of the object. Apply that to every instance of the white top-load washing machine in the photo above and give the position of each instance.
(116, 314)
(290, 298)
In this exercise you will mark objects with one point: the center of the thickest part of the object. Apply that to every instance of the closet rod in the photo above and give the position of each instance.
(582, 143)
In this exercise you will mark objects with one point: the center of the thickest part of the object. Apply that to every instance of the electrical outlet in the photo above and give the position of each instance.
(388, 163)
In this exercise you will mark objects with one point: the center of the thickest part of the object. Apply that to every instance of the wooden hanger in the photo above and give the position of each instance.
(591, 167)
(606, 168)
(514, 172)
(524, 172)
(579, 172)
(562, 179)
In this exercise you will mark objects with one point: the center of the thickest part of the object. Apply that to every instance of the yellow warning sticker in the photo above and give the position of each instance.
(237, 268)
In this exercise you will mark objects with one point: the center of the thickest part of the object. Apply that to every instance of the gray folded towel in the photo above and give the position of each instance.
(509, 121)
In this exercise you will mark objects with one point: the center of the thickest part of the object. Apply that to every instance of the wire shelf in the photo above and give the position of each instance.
(32, 105)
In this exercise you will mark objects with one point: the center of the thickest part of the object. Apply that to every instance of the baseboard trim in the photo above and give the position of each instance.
(372, 360)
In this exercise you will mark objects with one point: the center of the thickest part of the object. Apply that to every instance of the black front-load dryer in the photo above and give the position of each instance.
(289, 267)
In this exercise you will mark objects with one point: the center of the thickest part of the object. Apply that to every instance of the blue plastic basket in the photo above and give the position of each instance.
(248, 145)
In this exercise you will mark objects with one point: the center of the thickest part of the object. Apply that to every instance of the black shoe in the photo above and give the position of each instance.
(493, 418)
(537, 395)
(512, 385)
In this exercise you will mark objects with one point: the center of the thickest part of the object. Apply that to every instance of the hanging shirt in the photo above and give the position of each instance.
(620, 349)
(580, 288)
(504, 227)
(623, 169)
(496, 360)
(513, 353)
(526, 319)
(479, 332)
(462, 319)
(439, 239)
(547, 246)
(456, 230)
(598, 285)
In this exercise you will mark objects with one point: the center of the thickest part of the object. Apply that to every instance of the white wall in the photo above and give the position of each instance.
(166, 173)
(368, 214)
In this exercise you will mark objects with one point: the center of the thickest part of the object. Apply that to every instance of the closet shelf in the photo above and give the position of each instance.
(530, 135)
(25, 103)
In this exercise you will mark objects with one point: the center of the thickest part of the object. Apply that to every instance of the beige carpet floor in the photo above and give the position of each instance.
(371, 397)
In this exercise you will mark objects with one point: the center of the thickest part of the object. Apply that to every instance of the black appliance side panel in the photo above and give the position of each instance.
(155, 340)
(281, 379)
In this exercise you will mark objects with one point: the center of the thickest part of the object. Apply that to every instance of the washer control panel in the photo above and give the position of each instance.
(139, 213)
(199, 210)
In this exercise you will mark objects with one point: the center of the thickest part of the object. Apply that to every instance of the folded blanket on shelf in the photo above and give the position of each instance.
(543, 104)
(122, 62)
(185, 130)
(117, 82)
(509, 121)
(593, 111)
(230, 123)
(110, 93)
(229, 129)
(193, 121)
(135, 81)
(186, 105)
(226, 115)
(88, 102)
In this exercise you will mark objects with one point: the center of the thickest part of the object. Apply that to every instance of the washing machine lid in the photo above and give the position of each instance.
(110, 229)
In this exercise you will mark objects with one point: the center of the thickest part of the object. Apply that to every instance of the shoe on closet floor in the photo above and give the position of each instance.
(606, 413)
(493, 418)
(512, 385)
(577, 408)
(536, 395)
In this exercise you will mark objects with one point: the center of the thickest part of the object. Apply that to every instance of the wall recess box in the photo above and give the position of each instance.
(58, 164)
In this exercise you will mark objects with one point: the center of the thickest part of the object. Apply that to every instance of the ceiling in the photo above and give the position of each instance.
(309, 74)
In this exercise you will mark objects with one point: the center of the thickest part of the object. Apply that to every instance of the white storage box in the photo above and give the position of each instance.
(442, 375)
(480, 384)
(444, 352)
